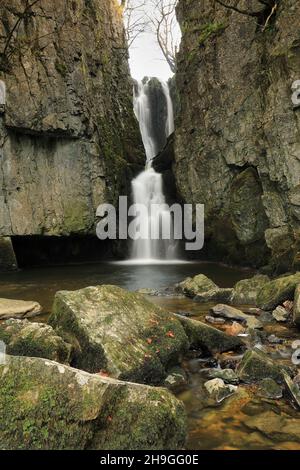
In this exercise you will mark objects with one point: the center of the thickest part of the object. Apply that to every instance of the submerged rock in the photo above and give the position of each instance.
(277, 291)
(45, 405)
(246, 290)
(268, 388)
(19, 309)
(222, 310)
(208, 338)
(24, 338)
(277, 426)
(203, 289)
(119, 332)
(256, 366)
(280, 314)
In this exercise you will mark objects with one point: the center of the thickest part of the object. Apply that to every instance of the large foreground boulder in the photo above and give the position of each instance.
(203, 289)
(18, 309)
(24, 338)
(118, 332)
(245, 291)
(208, 338)
(46, 405)
(277, 291)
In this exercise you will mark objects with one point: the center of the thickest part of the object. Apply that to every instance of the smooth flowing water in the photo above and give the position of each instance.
(154, 223)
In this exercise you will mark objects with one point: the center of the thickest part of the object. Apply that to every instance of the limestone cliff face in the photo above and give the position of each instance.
(237, 147)
(69, 139)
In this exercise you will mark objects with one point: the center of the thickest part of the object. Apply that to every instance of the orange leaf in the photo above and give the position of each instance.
(170, 334)
(149, 340)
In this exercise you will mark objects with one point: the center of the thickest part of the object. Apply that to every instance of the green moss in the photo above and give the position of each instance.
(42, 408)
(61, 68)
(77, 217)
(256, 366)
(210, 30)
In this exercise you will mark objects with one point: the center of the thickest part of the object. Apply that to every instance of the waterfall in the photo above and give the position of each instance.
(170, 110)
(142, 111)
(147, 187)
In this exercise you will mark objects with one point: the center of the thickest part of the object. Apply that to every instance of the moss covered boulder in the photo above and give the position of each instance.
(119, 332)
(245, 291)
(46, 405)
(277, 291)
(296, 306)
(203, 289)
(256, 366)
(208, 338)
(24, 338)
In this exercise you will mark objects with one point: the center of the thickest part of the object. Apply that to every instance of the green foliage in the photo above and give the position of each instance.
(210, 29)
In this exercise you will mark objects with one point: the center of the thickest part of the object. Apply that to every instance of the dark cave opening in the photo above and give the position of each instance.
(35, 250)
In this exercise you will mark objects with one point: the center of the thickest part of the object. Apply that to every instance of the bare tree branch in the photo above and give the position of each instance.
(135, 19)
(163, 17)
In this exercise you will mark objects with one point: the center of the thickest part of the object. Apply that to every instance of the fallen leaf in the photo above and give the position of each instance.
(170, 334)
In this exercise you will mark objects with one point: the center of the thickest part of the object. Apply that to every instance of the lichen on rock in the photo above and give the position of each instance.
(119, 332)
(49, 406)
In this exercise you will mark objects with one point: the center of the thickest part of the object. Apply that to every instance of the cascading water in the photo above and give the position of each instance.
(147, 187)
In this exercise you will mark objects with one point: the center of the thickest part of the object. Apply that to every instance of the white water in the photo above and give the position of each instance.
(147, 188)
(170, 118)
(143, 114)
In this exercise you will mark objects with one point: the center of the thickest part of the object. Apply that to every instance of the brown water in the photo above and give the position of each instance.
(242, 421)
(245, 420)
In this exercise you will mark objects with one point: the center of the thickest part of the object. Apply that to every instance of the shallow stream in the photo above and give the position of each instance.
(242, 421)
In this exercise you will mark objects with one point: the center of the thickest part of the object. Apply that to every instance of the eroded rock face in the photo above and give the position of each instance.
(69, 139)
(46, 405)
(118, 332)
(24, 338)
(237, 142)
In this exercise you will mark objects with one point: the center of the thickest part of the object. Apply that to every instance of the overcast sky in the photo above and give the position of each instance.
(146, 58)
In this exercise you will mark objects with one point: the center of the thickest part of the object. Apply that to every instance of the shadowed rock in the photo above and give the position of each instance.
(45, 405)
(24, 338)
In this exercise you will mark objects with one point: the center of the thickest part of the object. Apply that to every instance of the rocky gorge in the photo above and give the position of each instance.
(69, 139)
(237, 132)
(194, 350)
